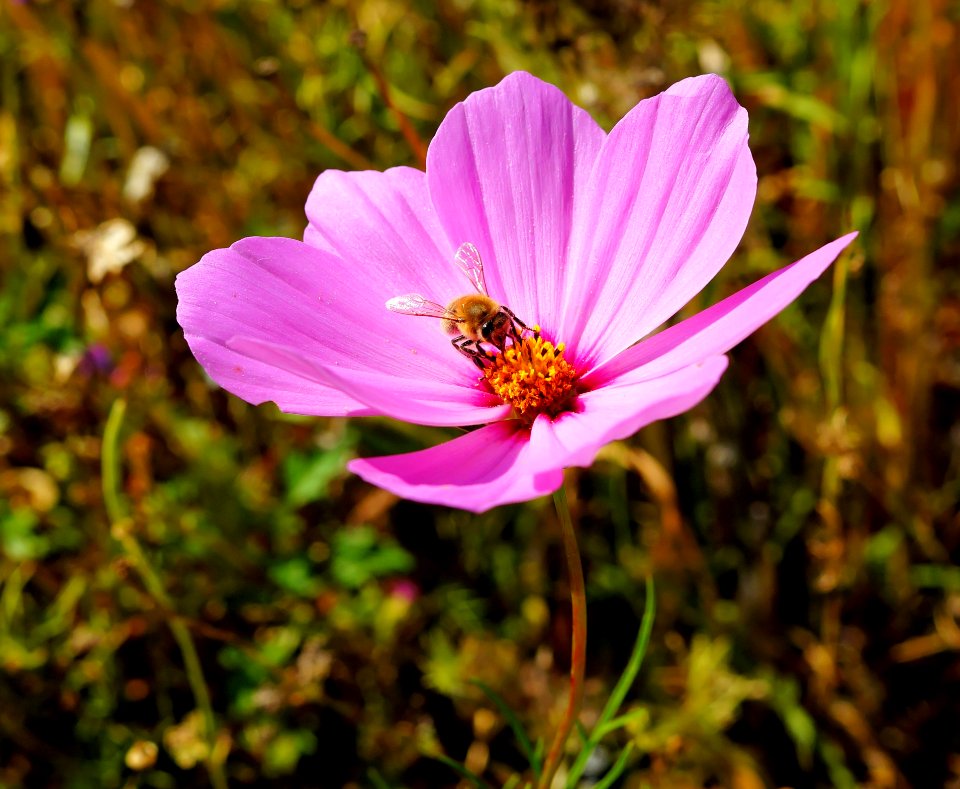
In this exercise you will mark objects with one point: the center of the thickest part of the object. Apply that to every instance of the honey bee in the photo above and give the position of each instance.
(474, 319)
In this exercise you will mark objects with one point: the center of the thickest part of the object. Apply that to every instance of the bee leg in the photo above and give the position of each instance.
(514, 317)
(515, 322)
(476, 352)
(480, 354)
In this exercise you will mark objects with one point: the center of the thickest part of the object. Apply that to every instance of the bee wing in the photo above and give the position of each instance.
(469, 262)
(415, 304)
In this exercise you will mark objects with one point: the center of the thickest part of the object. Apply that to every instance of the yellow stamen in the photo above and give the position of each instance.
(533, 377)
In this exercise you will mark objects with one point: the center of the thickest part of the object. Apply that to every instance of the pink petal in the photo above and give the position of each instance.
(666, 205)
(399, 398)
(257, 382)
(385, 225)
(503, 171)
(504, 463)
(621, 408)
(717, 329)
(475, 472)
(285, 293)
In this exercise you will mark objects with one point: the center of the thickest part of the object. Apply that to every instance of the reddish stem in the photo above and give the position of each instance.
(578, 640)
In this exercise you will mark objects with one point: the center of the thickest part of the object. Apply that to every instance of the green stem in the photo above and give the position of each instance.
(121, 528)
(578, 640)
(110, 462)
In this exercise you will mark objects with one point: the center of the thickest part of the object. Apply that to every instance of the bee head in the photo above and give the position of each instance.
(494, 329)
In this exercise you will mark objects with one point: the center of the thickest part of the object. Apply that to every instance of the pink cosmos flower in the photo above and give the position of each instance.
(596, 238)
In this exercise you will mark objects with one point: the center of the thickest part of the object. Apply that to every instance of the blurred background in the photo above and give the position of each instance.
(172, 558)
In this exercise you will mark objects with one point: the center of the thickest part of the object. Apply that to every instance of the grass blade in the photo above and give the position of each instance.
(621, 720)
(532, 754)
(471, 776)
(622, 687)
(614, 773)
(377, 780)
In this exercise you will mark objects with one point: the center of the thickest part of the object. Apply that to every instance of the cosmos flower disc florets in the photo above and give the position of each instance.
(533, 377)
(522, 368)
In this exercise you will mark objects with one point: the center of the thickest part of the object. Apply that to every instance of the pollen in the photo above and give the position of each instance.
(533, 377)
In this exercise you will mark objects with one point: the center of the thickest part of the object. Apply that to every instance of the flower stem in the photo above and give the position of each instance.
(578, 640)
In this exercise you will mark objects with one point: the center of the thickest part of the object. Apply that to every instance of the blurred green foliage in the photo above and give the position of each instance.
(802, 523)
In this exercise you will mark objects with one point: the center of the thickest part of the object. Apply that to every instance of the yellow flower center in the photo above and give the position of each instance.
(533, 377)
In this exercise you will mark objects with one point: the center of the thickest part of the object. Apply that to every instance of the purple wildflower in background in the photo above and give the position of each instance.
(591, 240)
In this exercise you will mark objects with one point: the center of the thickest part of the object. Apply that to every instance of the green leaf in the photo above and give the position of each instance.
(295, 575)
(284, 752)
(361, 554)
(308, 476)
(18, 538)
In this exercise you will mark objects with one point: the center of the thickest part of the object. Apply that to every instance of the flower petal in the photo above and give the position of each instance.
(399, 398)
(226, 293)
(257, 382)
(717, 329)
(385, 225)
(666, 205)
(476, 472)
(621, 408)
(503, 171)
(504, 463)
(286, 293)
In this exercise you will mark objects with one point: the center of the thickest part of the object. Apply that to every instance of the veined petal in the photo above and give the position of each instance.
(383, 394)
(476, 472)
(258, 382)
(666, 204)
(503, 171)
(717, 329)
(620, 408)
(386, 226)
(506, 462)
(286, 293)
